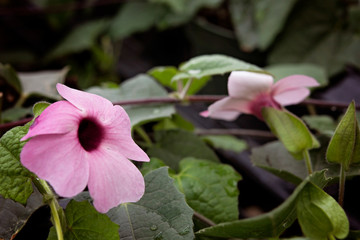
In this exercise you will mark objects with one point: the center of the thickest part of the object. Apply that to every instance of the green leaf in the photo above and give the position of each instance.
(271, 224)
(210, 188)
(81, 38)
(43, 82)
(10, 76)
(208, 65)
(154, 163)
(243, 19)
(291, 131)
(345, 143)
(84, 223)
(226, 142)
(174, 145)
(139, 87)
(165, 74)
(274, 158)
(173, 19)
(322, 123)
(162, 213)
(176, 6)
(176, 121)
(13, 215)
(127, 21)
(39, 107)
(319, 215)
(15, 113)
(283, 70)
(271, 17)
(15, 180)
(310, 36)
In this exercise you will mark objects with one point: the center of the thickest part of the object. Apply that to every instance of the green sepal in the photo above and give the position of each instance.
(291, 131)
(319, 215)
(344, 146)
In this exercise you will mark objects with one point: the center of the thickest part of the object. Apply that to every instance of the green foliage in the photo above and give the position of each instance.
(210, 188)
(322, 123)
(283, 70)
(81, 38)
(320, 216)
(268, 225)
(15, 180)
(208, 65)
(187, 145)
(276, 159)
(39, 107)
(162, 213)
(128, 21)
(42, 83)
(165, 75)
(139, 87)
(176, 121)
(344, 146)
(85, 223)
(257, 23)
(10, 76)
(226, 142)
(316, 33)
(291, 131)
(15, 113)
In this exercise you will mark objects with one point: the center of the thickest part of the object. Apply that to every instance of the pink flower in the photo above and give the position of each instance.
(249, 92)
(85, 141)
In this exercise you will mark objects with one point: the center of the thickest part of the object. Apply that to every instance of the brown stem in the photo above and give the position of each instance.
(198, 98)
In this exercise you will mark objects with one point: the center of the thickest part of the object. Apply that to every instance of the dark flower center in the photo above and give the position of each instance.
(90, 134)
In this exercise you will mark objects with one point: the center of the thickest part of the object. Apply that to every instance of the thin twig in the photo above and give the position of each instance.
(198, 98)
(235, 132)
(204, 219)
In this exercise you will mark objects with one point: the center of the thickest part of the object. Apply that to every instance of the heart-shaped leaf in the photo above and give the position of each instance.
(84, 223)
(15, 180)
(162, 213)
(210, 188)
(208, 65)
(187, 145)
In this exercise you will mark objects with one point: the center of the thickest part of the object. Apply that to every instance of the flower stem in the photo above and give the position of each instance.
(308, 161)
(143, 135)
(57, 213)
(342, 185)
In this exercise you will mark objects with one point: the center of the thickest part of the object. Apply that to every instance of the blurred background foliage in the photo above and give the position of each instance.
(93, 42)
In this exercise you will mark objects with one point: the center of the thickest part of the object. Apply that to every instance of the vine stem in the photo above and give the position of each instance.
(308, 161)
(50, 198)
(185, 89)
(342, 185)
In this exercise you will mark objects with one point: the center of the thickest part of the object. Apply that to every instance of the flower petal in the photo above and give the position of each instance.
(92, 104)
(113, 180)
(247, 85)
(58, 159)
(292, 96)
(58, 118)
(118, 136)
(292, 89)
(228, 108)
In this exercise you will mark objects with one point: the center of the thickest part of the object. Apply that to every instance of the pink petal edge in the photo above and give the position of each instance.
(58, 159)
(58, 118)
(114, 180)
